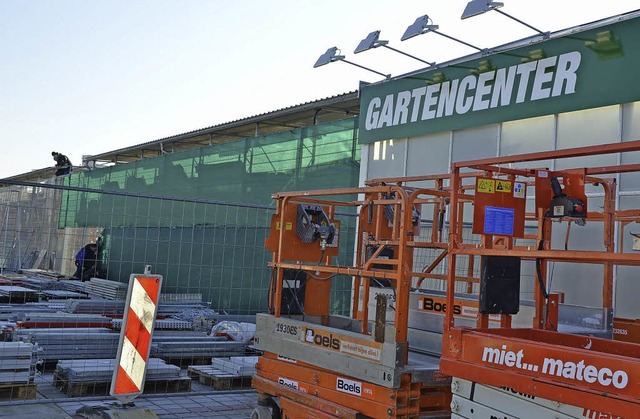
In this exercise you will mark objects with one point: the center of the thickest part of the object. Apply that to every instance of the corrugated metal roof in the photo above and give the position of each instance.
(297, 116)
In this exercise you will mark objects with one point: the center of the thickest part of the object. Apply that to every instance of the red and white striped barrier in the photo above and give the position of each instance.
(135, 337)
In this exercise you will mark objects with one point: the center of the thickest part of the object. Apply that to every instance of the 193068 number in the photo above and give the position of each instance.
(286, 329)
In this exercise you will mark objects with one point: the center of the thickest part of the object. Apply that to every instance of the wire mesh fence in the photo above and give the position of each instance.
(60, 318)
(198, 217)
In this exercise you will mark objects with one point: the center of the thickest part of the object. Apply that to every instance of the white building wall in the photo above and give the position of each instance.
(434, 153)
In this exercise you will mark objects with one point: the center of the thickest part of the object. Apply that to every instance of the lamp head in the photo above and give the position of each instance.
(370, 42)
(478, 7)
(420, 26)
(328, 57)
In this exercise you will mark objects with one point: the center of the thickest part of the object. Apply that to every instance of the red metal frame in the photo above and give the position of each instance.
(590, 372)
(316, 393)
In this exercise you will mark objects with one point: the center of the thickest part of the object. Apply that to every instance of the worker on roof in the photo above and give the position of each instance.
(62, 163)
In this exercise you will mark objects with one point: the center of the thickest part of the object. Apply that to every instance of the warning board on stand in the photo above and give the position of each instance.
(499, 207)
(135, 337)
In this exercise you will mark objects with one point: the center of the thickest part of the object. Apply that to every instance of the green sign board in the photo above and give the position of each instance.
(579, 70)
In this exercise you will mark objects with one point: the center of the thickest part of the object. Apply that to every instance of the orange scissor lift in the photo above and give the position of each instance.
(537, 371)
(321, 365)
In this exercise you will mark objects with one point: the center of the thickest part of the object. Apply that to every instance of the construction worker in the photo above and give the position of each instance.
(62, 163)
(86, 260)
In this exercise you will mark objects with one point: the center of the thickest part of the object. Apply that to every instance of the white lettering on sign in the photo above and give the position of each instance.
(363, 351)
(536, 80)
(578, 371)
(617, 331)
(596, 414)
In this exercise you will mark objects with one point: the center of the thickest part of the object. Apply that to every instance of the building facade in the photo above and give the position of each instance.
(576, 87)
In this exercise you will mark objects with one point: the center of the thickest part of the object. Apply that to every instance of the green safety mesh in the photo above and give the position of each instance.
(244, 171)
(200, 217)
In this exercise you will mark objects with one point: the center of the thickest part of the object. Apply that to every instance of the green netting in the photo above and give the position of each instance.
(245, 171)
(200, 217)
(226, 264)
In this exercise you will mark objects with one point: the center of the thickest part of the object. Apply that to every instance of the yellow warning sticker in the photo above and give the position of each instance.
(503, 186)
(486, 185)
(288, 225)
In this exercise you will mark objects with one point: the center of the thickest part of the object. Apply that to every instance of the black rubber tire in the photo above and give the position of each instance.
(261, 412)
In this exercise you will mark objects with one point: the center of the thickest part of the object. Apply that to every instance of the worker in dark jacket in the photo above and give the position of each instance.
(86, 260)
(62, 163)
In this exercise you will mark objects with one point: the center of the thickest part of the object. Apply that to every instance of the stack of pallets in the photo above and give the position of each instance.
(60, 294)
(180, 298)
(17, 371)
(77, 286)
(225, 373)
(68, 343)
(55, 288)
(41, 273)
(17, 294)
(113, 307)
(60, 320)
(13, 312)
(190, 350)
(82, 377)
(95, 306)
(104, 288)
(161, 324)
(51, 284)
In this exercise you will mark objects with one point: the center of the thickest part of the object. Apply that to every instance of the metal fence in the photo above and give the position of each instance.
(59, 336)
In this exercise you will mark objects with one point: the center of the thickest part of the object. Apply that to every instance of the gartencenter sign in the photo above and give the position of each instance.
(529, 81)
(578, 70)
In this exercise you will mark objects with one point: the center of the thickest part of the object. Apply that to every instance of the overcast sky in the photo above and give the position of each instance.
(86, 77)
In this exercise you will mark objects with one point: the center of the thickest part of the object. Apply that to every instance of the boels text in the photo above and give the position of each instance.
(429, 304)
(327, 341)
(349, 386)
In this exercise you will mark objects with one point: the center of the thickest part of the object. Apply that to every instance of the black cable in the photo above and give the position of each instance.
(294, 292)
(272, 292)
(272, 288)
(545, 293)
(539, 272)
(378, 283)
(321, 256)
(539, 266)
(555, 329)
